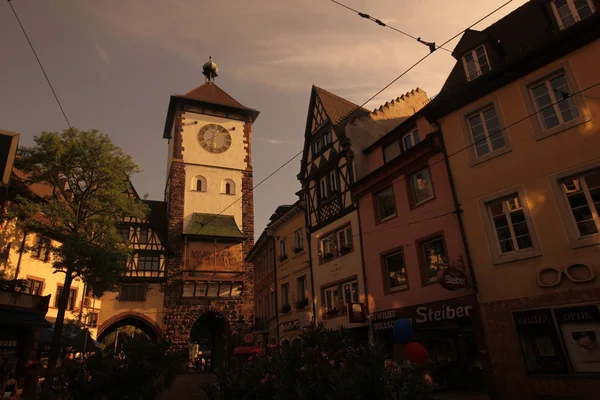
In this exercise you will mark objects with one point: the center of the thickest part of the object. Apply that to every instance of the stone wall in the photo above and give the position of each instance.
(510, 374)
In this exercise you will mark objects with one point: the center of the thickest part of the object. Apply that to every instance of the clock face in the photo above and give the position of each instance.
(214, 138)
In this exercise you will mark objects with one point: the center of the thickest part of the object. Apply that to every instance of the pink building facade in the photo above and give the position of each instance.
(410, 234)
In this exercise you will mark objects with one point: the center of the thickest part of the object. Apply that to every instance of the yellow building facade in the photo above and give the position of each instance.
(520, 119)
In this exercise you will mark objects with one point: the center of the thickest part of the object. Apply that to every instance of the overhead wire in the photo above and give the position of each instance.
(350, 114)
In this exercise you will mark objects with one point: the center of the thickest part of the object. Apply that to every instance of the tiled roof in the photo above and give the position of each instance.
(214, 225)
(211, 93)
(336, 107)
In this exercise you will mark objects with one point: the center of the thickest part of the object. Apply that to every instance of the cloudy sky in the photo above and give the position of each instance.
(114, 64)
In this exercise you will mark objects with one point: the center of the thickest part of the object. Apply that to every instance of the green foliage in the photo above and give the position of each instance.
(85, 179)
(145, 372)
(325, 365)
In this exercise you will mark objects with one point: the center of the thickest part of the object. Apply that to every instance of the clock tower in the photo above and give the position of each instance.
(210, 230)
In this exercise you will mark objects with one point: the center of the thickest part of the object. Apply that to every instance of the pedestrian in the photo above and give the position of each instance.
(203, 364)
(9, 388)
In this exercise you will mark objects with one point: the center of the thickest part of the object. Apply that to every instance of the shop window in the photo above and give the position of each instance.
(72, 297)
(395, 270)
(132, 292)
(385, 204)
(421, 187)
(435, 257)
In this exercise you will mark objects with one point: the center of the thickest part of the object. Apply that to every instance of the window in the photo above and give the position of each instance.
(34, 286)
(148, 263)
(583, 197)
(91, 320)
(224, 289)
(298, 241)
(301, 288)
(285, 294)
(322, 142)
(391, 151)
(335, 244)
(132, 292)
(510, 224)
(485, 132)
(554, 102)
(318, 145)
(143, 235)
(327, 138)
(422, 188)
(332, 298)
(333, 182)
(282, 249)
(567, 12)
(350, 292)
(41, 249)
(200, 184)
(123, 231)
(410, 139)
(72, 297)
(476, 63)
(228, 187)
(273, 303)
(395, 270)
(385, 204)
(434, 254)
(345, 238)
(323, 188)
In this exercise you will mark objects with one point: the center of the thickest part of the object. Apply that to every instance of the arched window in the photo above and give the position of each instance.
(228, 187)
(199, 184)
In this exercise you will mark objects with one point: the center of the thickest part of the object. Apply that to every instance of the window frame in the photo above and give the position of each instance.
(42, 245)
(376, 205)
(341, 304)
(547, 73)
(332, 178)
(283, 249)
(143, 288)
(336, 250)
(490, 229)
(473, 53)
(323, 188)
(94, 321)
(573, 11)
(411, 193)
(387, 287)
(286, 292)
(298, 240)
(571, 230)
(301, 295)
(423, 266)
(71, 302)
(35, 280)
(410, 135)
(146, 235)
(396, 142)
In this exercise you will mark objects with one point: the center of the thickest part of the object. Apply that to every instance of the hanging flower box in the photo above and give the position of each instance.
(302, 304)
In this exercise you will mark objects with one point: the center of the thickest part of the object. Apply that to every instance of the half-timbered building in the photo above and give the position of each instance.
(337, 131)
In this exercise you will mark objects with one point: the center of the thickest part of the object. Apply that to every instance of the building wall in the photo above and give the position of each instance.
(405, 231)
(215, 168)
(345, 267)
(31, 267)
(295, 266)
(530, 166)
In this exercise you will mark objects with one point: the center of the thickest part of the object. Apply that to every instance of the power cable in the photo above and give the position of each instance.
(62, 110)
(350, 114)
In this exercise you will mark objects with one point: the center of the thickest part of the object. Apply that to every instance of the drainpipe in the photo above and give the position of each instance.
(364, 272)
(479, 329)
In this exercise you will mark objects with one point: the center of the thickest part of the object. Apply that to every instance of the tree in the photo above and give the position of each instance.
(86, 181)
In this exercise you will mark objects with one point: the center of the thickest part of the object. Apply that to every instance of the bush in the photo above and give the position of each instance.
(145, 371)
(325, 365)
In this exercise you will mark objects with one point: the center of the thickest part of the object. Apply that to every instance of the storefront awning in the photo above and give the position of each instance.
(22, 318)
(246, 350)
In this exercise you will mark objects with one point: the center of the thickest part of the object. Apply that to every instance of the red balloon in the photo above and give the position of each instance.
(416, 353)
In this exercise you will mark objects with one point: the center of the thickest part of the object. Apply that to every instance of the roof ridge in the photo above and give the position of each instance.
(337, 96)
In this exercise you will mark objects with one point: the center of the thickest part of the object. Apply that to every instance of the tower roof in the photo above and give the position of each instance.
(211, 93)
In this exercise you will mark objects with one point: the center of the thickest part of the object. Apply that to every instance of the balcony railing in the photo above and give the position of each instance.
(330, 208)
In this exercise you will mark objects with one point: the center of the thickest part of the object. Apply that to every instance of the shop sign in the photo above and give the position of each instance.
(290, 325)
(356, 313)
(305, 318)
(539, 341)
(580, 330)
(248, 338)
(428, 314)
(452, 278)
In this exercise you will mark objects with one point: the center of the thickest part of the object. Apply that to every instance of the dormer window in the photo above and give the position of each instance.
(476, 63)
(568, 12)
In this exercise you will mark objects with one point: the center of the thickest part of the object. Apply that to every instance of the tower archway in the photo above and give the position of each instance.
(209, 339)
(137, 323)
